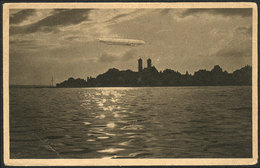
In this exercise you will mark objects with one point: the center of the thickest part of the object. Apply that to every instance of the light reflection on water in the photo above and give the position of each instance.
(166, 122)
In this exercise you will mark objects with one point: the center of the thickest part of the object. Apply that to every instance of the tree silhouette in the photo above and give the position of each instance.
(151, 77)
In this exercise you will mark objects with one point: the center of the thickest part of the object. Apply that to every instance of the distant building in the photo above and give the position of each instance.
(140, 65)
(89, 78)
(149, 63)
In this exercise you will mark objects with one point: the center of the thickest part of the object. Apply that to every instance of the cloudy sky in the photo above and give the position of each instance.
(78, 43)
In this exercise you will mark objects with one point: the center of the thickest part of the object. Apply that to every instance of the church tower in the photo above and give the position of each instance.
(149, 63)
(140, 65)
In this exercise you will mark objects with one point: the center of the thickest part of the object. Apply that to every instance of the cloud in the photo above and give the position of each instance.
(51, 23)
(115, 41)
(21, 16)
(242, 12)
(128, 55)
(110, 57)
(244, 30)
(117, 17)
(114, 16)
(239, 46)
(234, 52)
(165, 11)
(22, 44)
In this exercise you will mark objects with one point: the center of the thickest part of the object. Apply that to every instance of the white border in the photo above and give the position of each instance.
(128, 162)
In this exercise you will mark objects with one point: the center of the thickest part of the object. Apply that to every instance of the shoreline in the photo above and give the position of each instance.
(40, 87)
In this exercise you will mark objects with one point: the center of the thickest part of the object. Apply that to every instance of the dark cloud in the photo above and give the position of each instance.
(54, 11)
(21, 16)
(27, 29)
(65, 18)
(53, 22)
(117, 17)
(242, 12)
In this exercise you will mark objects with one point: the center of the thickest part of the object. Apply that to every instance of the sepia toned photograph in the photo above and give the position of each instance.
(130, 84)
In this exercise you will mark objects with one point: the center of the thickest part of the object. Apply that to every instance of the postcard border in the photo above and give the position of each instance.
(130, 162)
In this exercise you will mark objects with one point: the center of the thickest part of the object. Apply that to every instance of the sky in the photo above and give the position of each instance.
(78, 43)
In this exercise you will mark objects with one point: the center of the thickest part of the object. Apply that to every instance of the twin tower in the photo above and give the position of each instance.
(140, 64)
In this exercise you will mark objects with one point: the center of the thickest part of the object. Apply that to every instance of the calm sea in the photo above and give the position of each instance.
(157, 122)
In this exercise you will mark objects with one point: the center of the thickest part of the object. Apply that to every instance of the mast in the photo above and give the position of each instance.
(52, 81)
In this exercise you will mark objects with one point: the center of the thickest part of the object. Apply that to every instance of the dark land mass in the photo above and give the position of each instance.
(151, 77)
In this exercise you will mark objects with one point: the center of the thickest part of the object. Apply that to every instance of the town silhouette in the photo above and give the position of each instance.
(150, 76)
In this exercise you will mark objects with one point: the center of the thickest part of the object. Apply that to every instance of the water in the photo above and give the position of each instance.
(161, 122)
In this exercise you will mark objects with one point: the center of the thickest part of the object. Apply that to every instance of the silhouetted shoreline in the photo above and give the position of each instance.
(42, 87)
(150, 77)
